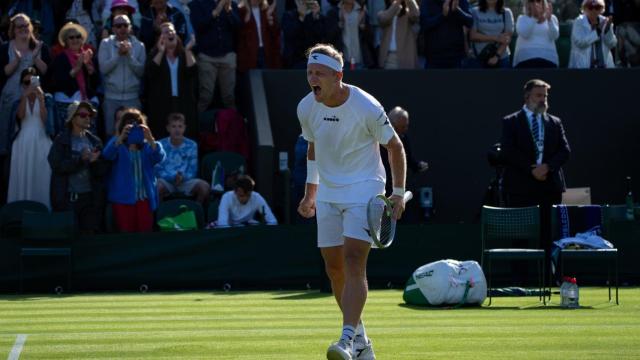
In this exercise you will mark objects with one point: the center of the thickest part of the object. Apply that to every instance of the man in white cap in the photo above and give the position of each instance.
(344, 127)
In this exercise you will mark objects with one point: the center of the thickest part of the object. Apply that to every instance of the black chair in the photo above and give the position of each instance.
(172, 208)
(575, 216)
(231, 163)
(11, 216)
(212, 211)
(504, 227)
(47, 235)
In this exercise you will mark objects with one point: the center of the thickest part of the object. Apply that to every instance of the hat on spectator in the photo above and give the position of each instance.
(71, 26)
(124, 4)
(75, 106)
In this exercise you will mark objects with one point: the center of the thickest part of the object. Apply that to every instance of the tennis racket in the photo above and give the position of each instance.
(382, 225)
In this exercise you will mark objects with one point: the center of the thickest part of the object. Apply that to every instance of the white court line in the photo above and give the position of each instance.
(17, 347)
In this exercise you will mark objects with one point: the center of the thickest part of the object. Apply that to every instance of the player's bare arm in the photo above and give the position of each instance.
(398, 164)
(307, 206)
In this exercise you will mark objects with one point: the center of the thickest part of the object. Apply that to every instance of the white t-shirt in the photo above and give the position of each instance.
(346, 140)
(231, 212)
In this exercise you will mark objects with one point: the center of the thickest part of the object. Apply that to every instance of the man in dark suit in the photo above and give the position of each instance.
(534, 149)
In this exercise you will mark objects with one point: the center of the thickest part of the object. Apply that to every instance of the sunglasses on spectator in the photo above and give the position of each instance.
(535, 1)
(74, 37)
(595, 7)
(83, 114)
(120, 25)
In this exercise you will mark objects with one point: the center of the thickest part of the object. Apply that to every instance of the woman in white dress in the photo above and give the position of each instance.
(30, 174)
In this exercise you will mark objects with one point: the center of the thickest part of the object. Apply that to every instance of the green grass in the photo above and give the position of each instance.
(300, 325)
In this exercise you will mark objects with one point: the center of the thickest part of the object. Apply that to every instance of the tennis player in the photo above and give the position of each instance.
(344, 126)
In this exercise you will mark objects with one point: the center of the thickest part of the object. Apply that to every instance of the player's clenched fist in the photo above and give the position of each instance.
(307, 208)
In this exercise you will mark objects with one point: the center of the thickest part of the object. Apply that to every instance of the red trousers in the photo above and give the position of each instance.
(133, 218)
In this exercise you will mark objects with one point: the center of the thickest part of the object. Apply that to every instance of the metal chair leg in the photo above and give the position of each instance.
(489, 280)
(616, 264)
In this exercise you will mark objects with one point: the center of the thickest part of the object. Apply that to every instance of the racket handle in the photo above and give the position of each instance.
(408, 195)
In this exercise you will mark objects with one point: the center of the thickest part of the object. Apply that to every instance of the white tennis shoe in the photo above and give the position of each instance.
(340, 351)
(363, 350)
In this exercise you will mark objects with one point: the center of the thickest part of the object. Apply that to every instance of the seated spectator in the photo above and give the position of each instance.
(491, 35)
(177, 173)
(21, 52)
(302, 28)
(30, 173)
(170, 78)
(113, 8)
(80, 10)
(443, 23)
(592, 38)
(626, 16)
(399, 118)
(538, 31)
(77, 182)
(122, 59)
(131, 187)
(215, 24)
(75, 72)
(398, 47)
(243, 205)
(258, 36)
(160, 12)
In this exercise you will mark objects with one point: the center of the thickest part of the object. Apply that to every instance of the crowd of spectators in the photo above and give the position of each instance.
(77, 74)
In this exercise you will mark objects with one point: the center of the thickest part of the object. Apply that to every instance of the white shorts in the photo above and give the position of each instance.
(337, 221)
(185, 187)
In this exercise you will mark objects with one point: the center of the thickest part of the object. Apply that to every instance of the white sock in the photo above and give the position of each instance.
(361, 332)
(348, 334)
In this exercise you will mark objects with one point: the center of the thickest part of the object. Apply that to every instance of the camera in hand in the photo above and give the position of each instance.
(136, 135)
(35, 81)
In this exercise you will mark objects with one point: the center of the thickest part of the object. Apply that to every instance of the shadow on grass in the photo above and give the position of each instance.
(304, 296)
(494, 307)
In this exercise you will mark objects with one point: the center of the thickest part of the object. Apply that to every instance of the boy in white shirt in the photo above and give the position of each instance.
(344, 127)
(242, 205)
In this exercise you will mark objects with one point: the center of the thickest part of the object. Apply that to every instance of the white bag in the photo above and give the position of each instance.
(446, 282)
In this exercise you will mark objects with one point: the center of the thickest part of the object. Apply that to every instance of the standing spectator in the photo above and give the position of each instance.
(160, 12)
(592, 38)
(30, 173)
(302, 28)
(491, 35)
(80, 11)
(626, 16)
(534, 149)
(113, 8)
(40, 11)
(215, 23)
(243, 205)
(132, 187)
(374, 7)
(22, 51)
(353, 21)
(170, 81)
(443, 24)
(179, 170)
(538, 31)
(259, 36)
(122, 60)
(75, 71)
(77, 182)
(398, 47)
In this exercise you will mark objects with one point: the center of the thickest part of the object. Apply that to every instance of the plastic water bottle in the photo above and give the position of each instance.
(569, 293)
